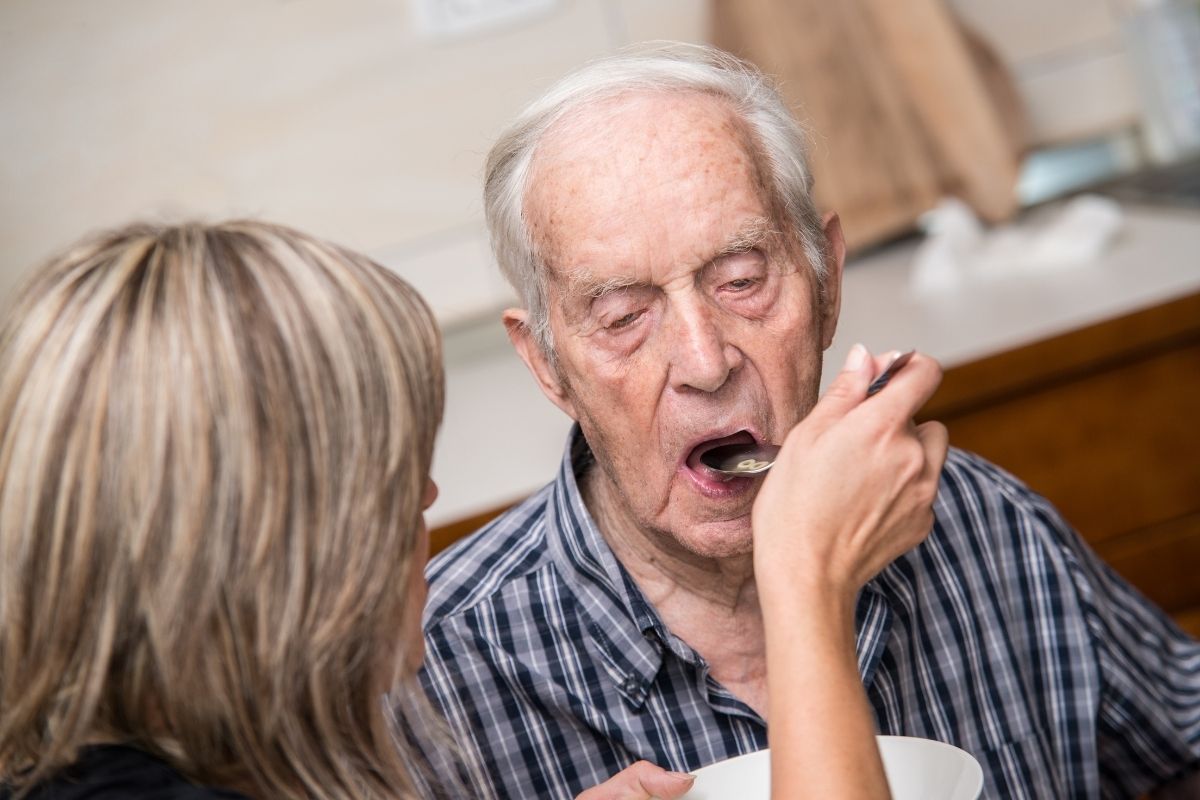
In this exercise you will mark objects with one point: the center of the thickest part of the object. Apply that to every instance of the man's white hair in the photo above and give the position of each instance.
(661, 67)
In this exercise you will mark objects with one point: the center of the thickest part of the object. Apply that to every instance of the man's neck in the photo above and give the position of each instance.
(709, 603)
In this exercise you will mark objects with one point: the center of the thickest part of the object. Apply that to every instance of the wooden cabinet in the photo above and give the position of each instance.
(1105, 422)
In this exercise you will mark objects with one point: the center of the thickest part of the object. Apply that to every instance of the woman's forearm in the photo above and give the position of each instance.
(822, 732)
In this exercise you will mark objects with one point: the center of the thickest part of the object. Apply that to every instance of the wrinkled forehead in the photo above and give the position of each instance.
(645, 164)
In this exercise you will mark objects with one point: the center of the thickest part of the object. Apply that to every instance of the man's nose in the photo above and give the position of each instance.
(702, 358)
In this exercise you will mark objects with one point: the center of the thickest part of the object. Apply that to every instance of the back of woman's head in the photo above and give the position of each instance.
(214, 442)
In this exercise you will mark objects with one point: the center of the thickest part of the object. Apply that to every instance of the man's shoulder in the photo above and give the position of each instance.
(987, 516)
(487, 562)
(982, 503)
(971, 481)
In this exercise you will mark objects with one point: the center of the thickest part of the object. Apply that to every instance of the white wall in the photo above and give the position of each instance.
(1069, 60)
(342, 119)
(337, 117)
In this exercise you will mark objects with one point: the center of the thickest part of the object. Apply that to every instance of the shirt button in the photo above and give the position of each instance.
(634, 689)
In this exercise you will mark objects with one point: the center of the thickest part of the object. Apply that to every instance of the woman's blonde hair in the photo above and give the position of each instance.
(214, 441)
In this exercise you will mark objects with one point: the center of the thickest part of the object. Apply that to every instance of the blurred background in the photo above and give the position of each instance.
(1070, 326)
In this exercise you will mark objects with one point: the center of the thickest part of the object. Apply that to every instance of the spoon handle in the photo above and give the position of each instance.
(891, 369)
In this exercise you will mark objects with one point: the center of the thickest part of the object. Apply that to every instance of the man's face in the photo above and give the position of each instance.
(681, 316)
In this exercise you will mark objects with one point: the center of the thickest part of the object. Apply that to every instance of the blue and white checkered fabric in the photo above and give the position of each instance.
(1002, 634)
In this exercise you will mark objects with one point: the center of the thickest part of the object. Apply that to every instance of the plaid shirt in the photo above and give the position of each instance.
(1002, 634)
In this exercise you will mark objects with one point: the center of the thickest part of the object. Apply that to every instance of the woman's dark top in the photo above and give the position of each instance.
(113, 772)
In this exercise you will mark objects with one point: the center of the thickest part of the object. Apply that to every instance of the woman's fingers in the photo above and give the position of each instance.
(935, 441)
(846, 391)
(641, 781)
(854, 485)
(910, 388)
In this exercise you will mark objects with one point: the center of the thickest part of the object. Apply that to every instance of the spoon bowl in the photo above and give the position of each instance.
(741, 459)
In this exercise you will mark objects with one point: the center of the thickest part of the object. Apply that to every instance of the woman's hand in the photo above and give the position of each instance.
(641, 781)
(853, 486)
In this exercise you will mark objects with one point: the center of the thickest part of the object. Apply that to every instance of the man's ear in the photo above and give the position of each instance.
(835, 259)
(519, 333)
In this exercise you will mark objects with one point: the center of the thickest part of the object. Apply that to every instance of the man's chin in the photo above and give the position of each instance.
(717, 539)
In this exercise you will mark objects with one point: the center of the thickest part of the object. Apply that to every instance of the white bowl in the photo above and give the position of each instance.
(916, 769)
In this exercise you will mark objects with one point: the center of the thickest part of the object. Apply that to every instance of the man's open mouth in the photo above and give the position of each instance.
(693, 459)
(706, 476)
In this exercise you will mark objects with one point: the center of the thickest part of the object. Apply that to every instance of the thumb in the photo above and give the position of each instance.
(849, 388)
(664, 785)
(641, 781)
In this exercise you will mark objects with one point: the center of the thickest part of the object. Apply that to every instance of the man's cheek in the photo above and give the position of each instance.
(624, 371)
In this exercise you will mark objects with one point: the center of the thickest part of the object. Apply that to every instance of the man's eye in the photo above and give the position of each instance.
(624, 322)
(740, 285)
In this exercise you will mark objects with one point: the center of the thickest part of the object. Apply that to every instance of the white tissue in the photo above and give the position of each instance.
(1080, 234)
(952, 237)
(958, 249)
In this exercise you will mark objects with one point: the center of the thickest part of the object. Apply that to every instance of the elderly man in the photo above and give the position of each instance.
(653, 211)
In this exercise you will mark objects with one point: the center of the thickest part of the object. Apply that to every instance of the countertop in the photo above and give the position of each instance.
(1155, 257)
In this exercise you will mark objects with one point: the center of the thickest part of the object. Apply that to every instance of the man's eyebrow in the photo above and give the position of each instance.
(582, 283)
(750, 235)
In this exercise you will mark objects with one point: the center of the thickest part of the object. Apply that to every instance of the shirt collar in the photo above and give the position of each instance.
(625, 627)
(629, 632)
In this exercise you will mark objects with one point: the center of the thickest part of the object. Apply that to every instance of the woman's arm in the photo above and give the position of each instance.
(822, 733)
(852, 489)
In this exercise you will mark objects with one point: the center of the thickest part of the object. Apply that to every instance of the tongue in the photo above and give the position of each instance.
(693, 459)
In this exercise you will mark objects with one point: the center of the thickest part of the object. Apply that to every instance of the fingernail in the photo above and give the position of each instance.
(858, 354)
(683, 776)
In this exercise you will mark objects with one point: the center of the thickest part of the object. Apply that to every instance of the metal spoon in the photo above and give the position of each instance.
(891, 369)
(755, 459)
